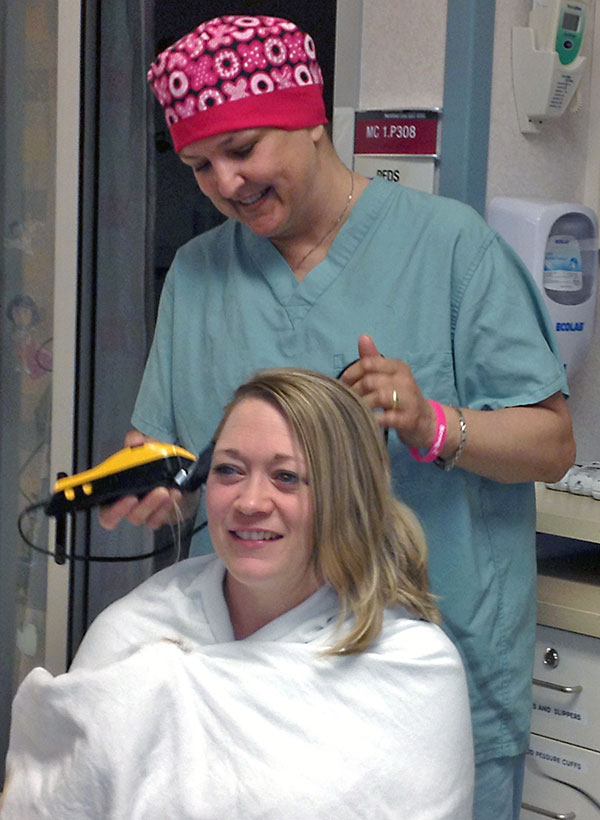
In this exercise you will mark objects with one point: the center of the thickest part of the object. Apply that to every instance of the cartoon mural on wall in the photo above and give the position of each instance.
(34, 359)
(27, 312)
(32, 362)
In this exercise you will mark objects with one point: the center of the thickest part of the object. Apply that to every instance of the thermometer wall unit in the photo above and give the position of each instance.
(547, 64)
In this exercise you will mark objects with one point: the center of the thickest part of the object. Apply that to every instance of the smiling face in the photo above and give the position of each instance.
(263, 177)
(259, 505)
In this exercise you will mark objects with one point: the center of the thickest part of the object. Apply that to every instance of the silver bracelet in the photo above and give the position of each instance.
(448, 464)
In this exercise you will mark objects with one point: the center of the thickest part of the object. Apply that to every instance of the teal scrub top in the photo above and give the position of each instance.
(435, 287)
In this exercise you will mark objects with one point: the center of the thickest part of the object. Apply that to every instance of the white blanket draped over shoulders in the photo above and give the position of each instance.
(163, 716)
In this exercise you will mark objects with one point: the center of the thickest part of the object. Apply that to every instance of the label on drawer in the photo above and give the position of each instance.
(564, 714)
(560, 761)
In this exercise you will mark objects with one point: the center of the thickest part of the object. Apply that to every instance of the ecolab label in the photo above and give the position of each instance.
(577, 326)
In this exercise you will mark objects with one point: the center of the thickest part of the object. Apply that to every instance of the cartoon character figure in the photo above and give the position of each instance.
(33, 359)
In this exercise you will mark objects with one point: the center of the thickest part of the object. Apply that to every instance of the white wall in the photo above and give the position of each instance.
(402, 65)
(403, 48)
(549, 164)
(558, 163)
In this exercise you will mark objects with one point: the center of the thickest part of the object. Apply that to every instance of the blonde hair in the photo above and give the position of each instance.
(368, 545)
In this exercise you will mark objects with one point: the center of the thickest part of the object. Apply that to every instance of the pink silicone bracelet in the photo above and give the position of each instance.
(438, 439)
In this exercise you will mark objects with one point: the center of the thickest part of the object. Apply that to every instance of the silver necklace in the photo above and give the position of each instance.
(333, 227)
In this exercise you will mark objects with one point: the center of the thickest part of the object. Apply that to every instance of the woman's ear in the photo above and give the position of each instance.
(316, 133)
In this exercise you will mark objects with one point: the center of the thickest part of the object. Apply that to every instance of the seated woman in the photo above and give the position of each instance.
(298, 674)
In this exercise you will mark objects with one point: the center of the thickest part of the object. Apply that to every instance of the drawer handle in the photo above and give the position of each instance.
(568, 690)
(545, 813)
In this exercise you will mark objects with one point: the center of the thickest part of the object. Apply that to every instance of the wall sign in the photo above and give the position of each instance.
(402, 146)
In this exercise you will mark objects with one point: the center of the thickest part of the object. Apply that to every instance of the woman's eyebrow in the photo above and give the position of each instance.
(233, 452)
(224, 143)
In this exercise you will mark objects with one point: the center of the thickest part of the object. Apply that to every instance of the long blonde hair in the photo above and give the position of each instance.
(368, 545)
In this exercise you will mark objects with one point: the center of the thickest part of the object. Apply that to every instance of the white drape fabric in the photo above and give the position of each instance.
(165, 717)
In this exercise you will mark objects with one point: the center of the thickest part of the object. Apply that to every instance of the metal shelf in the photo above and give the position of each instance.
(569, 585)
(569, 604)
(567, 515)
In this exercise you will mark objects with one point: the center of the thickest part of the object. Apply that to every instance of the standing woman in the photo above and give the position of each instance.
(317, 265)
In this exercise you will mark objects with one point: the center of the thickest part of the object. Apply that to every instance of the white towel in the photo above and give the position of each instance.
(241, 730)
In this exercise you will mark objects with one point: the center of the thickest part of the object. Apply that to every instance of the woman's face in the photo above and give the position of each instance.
(259, 504)
(22, 316)
(261, 176)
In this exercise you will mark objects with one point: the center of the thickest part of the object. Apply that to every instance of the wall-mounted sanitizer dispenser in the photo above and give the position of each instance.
(558, 241)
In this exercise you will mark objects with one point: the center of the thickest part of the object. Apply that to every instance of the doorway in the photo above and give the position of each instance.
(139, 205)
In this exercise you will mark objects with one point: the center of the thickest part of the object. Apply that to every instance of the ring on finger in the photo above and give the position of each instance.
(394, 399)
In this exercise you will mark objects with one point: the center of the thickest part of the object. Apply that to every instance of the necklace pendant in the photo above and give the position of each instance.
(333, 227)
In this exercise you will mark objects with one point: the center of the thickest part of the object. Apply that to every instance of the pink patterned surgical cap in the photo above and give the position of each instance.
(235, 72)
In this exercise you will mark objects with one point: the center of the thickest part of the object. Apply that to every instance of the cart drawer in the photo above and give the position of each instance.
(561, 782)
(566, 690)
